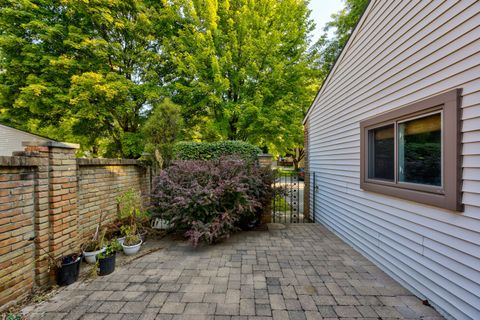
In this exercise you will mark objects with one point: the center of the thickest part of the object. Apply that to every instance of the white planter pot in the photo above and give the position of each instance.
(131, 250)
(121, 240)
(91, 257)
(160, 224)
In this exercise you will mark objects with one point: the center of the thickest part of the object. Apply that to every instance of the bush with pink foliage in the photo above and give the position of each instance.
(208, 200)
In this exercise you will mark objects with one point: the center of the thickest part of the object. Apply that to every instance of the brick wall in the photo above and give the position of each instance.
(17, 187)
(100, 182)
(50, 203)
(265, 160)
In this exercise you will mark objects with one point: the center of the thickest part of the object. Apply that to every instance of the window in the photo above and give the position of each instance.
(413, 152)
(420, 150)
(382, 150)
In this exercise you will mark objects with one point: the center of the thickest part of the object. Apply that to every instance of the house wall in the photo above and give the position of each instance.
(306, 183)
(403, 52)
(11, 139)
(50, 203)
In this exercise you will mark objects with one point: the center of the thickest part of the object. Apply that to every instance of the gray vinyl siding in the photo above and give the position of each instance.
(11, 140)
(403, 52)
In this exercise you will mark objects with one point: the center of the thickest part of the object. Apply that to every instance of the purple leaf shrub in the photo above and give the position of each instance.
(208, 200)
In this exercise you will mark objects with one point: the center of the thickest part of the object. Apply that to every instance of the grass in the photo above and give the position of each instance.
(286, 172)
(281, 203)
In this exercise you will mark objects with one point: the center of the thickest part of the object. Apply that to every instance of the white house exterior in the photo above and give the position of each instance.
(11, 139)
(405, 55)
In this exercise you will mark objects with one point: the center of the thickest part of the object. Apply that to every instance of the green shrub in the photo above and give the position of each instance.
(208, 200)
(215, 150)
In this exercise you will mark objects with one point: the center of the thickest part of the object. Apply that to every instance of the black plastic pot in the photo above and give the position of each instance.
(107, 265)
(68, 272)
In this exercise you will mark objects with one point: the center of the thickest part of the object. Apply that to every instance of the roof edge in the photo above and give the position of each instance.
(51, 144)
(27, 132)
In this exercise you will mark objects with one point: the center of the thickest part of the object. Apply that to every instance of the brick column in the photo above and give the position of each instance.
(265, 160)
(38, 155)
(63, 192)
(56, 213)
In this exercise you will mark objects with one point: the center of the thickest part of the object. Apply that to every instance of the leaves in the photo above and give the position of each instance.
(343, 24)
(215, 150)
(243, 69)
(92, 71)
(210, 199)
(161, 130)
(95, 65)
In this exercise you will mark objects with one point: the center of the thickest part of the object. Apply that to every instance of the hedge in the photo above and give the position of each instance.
(214, 150)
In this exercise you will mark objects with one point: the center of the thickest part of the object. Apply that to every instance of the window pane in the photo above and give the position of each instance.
(420, 150)
(381, 148)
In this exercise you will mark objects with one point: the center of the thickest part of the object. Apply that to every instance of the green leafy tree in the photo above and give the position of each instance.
(161, 130)
(342, 23)
(243, 70)
(94, 65)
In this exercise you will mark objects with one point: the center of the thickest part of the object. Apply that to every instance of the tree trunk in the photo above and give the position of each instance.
(295, 164)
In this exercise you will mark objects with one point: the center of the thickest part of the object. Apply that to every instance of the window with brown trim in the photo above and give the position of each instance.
(413, 152)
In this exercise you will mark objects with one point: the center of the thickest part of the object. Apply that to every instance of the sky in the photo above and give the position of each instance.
(321, 12)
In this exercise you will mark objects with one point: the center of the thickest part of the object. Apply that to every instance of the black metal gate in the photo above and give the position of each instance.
(287, 203)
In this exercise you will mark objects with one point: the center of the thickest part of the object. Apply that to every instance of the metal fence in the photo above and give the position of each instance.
(288, 204)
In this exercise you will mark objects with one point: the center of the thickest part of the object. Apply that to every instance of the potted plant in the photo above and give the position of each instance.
(123, 232)
(131, 244)
(91, 249)
(106, 259)
(142, 221)
(68, 268)
(130, 210)
(94, 246)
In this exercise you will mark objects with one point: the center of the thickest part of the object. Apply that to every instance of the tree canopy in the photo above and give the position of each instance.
(92, 71)
(244, 70)
(342, 25)
(83, 71)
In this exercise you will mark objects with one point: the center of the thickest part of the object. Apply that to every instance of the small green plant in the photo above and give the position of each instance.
(129, 203)
(130, 211)
(112, 247)
(131, 235)
(12, 316)
(125, 230)
(132, 239)
(97, 242)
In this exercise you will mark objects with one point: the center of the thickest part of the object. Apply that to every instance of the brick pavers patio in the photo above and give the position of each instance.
(300, 272)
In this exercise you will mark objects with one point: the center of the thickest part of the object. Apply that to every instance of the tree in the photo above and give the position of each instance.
(243, 70)
(95, 65)
(343, 24)
(324, 54)
(297, 155)
(162, 130)
(89, 71)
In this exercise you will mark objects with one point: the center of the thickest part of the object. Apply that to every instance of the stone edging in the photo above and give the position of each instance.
(108, 162)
